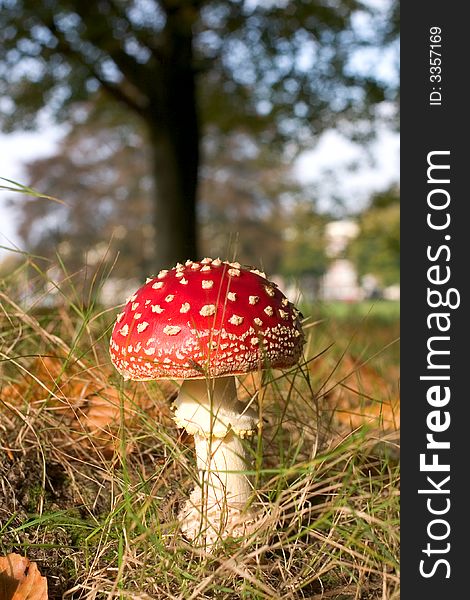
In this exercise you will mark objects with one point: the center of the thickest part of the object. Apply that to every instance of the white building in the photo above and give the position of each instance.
(340, 281)
(338, 235)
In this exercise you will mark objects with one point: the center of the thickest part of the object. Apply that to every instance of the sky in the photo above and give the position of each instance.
(354, 185)
(16, 149)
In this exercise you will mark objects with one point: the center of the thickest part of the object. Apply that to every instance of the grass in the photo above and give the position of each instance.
(93, 469)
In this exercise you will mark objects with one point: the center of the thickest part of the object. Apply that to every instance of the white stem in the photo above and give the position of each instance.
(209, 410)
(222, 465)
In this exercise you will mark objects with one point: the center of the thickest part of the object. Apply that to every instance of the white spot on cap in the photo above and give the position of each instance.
(232, 296)
(137, 315)
(269, 290)
(119, 317)
(217, 262)
(185, 307)
(142, 326)
(134, 305)
(254, 341)
(260, 273)
(207, 284)
(179, 274)
(235, 265)
(236, 320)
(124, 330)
(157, 285)
(162, 274)
(257, 321)
(253, 299)
(149, 351)
(171, 329)
(170, 298)
(234, 272)
(188, 263)
(206, 261)
(285, 302)
(205, 268)
(195, 266)
(284, 314)
(147, 302)
(156, 308)
(184, 281)
(269, 311)
(207, 310)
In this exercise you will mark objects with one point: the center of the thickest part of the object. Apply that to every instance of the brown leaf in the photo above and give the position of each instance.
(86, 405)
(20, 579)
(364, 395)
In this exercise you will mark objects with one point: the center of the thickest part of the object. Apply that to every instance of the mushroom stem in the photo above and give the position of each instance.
(209, 410)
(222, 466)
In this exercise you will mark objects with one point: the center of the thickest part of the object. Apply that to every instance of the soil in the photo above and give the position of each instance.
(30, 490)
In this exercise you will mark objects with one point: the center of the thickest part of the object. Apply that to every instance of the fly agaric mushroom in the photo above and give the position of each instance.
(206, 322)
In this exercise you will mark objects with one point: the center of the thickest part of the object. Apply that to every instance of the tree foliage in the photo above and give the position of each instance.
(101, 173)
(243, 194)
(278, 72)
(376, 250)
(247, 196)
(265, 64)
(304, 242)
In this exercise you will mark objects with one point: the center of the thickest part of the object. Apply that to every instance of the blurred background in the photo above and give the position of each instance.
(264, 131)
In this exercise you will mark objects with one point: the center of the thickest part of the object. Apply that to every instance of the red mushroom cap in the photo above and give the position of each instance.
(205, 319)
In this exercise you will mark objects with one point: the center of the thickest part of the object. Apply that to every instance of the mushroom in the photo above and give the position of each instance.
(206, 322)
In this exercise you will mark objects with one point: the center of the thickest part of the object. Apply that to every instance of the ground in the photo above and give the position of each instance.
(93, 471)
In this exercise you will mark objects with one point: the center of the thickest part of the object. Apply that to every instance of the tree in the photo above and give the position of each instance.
(304, 250)
(282, 71)
(376, 249)
(242, 211)
(101, 174)
(100, 169)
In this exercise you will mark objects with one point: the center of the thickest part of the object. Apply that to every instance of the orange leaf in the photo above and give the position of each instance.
(20, 579)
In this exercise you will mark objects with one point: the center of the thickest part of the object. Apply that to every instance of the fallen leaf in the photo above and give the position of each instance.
(364, 395)
(20, 579)
(86, 405)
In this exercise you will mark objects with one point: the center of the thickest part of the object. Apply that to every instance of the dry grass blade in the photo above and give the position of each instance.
(14, 186)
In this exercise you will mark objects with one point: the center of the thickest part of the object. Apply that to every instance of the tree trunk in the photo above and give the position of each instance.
(174, 134)
(175, 201)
